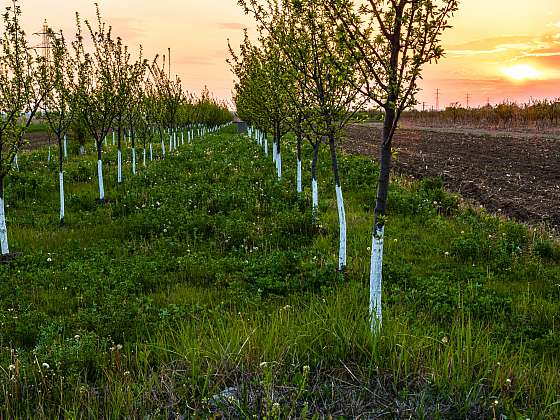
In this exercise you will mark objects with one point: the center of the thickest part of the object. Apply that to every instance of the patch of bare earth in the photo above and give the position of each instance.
(517, 175)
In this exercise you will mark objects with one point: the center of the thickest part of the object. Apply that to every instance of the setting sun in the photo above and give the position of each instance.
(521, 72)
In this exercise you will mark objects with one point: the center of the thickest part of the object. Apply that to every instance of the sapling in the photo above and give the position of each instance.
(20, 98)
(392, 40)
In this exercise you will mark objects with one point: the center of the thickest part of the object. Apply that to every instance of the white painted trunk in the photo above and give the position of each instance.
(189, 136)
(265, 140)
(151, 153)
(61, 185)
(375, 275)
(170, 143)
(342, 226)
(105, 141)
(314, 196)
(298, 180)
(279, 165)
(163, 148)
(144, 157)
(65, 147)
(113, 138)
(119, 166)
(100, 177)
(3, 229)
(133, 161)
(82, 150)
(274, 152)
(182, 138)
(49, 157)
(16, 163)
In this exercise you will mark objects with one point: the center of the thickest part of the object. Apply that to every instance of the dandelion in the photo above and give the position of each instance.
(45, 365)
(395, 240)
(444, 340)
(119, 346)
(496, 402)
(165, 230)
(127, 373)
(508, 381)
(12, 367)
(49, 259)
(76, 337)
(446, 253)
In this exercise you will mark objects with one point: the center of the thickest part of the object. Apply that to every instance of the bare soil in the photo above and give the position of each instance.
(515, 174)
(37, 139)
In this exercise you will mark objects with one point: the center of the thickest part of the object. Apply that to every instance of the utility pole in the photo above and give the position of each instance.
(437, 99)
(423, 106)
(45, 45)
(169, 58)
(468, 97)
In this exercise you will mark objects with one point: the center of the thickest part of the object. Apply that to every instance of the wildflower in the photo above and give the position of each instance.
(45, 365)
(444, 340)
(306, 370)
(76, 337)
(508, 381)
(395, 239)
(12, 367)
(165, 230)
(262, 365)
(496, 402)
(126, 373)
(446, 253)
(119, 346)
(49, 259)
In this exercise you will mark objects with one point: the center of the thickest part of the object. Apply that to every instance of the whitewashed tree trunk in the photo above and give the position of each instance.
(342, 231)
(133, 161)
(65, 147)
(274, 152)
(3, 229)
(113, 138)
(170, 143)
(182, 137)
(144, 157)
(119, 166)
(49, 156)
(299, 187)
(163, 148)
(100, 178)
(82, 149)
(189, 136)
(16, 162)
(151, 153)
(61, 186)
(314, 197)
(265, 140)
(375, 275)
(279, 164)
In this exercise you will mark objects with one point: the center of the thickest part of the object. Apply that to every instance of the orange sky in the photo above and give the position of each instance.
(497, 50)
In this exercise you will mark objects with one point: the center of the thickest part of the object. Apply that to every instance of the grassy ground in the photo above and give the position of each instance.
(203, 287)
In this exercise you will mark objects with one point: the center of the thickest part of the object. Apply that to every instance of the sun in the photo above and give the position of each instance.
(521, 72)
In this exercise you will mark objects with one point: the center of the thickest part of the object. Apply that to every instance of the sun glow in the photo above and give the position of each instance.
(521, 72)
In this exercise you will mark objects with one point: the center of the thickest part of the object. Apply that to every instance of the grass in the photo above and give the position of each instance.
(203, 287)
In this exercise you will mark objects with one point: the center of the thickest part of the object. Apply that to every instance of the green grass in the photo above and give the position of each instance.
(204, 273)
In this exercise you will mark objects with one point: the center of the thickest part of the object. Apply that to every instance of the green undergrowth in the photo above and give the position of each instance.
(204, 287)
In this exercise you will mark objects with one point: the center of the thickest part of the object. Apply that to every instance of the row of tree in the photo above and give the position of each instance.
(316, 63)
(91, 86)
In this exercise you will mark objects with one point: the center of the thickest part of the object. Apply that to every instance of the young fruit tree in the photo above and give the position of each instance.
(56, 81)
(326, 70)
(95, 86)
(393, 40)
(20, 98)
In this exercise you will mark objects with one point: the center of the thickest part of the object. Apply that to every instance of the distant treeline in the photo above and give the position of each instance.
(538, 114)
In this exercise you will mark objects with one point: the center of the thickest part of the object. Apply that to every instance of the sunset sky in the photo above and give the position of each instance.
(497, 50)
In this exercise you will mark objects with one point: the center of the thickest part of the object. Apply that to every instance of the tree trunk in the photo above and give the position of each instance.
(3, 230)
(65, 147)
(299, 187)
(376, 266)
(61, 180)
(339, 205)
(314, 185)
(100, 174)
(133, 152)
(151, 152)
(119, 156)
